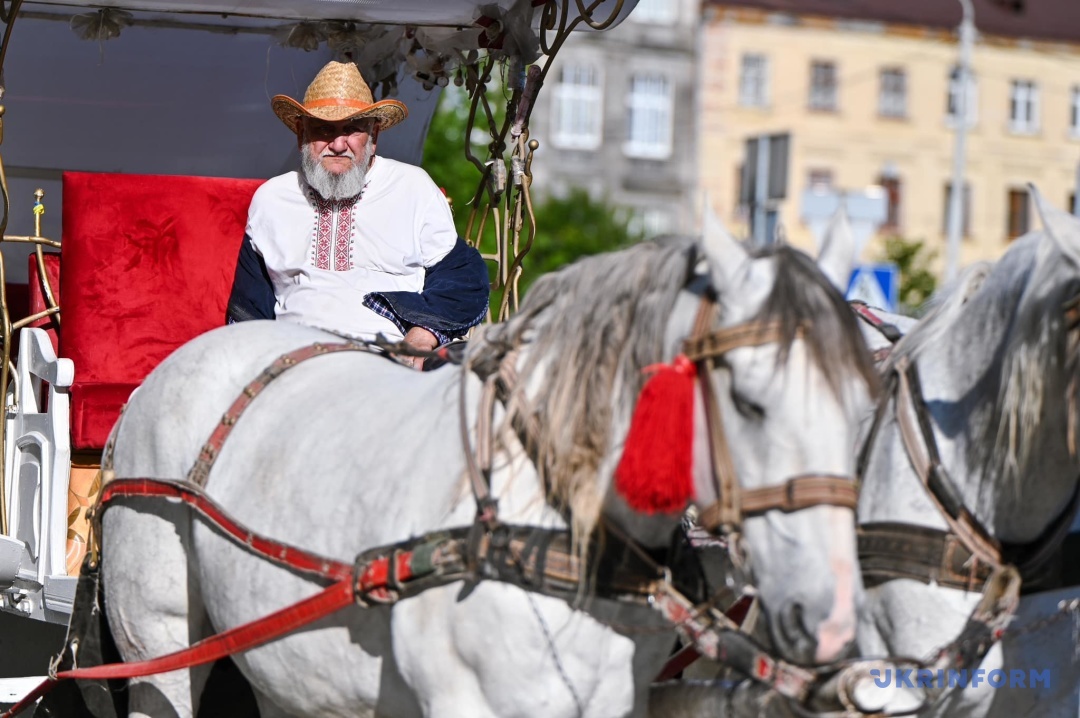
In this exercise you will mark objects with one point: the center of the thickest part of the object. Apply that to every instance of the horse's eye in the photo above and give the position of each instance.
(746, 408)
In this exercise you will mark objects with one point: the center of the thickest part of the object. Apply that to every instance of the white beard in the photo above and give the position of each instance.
(333, 186)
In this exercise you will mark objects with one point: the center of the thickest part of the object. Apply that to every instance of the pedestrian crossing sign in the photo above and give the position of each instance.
(878, 285)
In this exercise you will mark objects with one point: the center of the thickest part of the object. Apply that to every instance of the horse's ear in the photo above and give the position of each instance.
(1062, 227)
(724, 254)
(837, 255)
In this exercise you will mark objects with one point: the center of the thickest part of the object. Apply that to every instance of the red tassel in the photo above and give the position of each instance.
(655, 474)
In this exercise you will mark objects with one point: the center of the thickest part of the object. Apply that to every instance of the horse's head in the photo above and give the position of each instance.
(790, 405)
(999, 356)
(778, 380)
(1029, 306)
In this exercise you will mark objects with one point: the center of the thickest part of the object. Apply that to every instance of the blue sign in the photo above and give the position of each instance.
(876, 284)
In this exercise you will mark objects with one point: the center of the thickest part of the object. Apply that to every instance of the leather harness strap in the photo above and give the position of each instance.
(802, 492)
(532, 558)
(488, 549)
(726, 511)
(917, 436)
(717, 343)
(889, 550)
(209, 453)
(890, 331)
(734, 503)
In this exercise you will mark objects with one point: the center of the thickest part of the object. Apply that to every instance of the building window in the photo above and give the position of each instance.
(966, 229)
(578, 107)
(754, 81)
(892, 97)
(650, 117)
(1024, 107)
(1019, 213)
(823, 86)
(892, 187)
(1074, 111)
(953, 101)
(663, 12)
(819, 180)
(649, 222)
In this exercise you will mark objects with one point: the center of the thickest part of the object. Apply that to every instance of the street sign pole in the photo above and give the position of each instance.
(761, 192)
(956, 197)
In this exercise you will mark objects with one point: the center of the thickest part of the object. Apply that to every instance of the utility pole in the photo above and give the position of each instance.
(956, 197)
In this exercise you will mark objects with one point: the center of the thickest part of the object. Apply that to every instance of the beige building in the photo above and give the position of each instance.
(871, 102)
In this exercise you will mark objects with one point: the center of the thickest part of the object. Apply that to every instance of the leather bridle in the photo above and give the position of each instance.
(734, 504)
(966, 555)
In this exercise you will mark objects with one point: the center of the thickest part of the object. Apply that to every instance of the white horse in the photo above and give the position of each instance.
(351, 451)
(998, 365)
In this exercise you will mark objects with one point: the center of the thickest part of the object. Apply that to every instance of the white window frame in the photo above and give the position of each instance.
(754, 80)
(577, 107)
(649, 113)
(972, 97)
(892, 99)
(817, 99)
(656, 12)
(650, 222)
(1024, 107)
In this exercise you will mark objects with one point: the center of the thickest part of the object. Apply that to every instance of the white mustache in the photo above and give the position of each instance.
(347, 153)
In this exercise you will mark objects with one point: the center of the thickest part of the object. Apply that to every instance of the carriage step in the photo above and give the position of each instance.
(60, 593)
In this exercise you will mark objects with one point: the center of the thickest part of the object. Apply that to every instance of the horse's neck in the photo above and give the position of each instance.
(961, 378)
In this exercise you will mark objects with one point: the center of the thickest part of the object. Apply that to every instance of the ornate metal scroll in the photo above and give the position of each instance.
(9, 9)
(501, 211)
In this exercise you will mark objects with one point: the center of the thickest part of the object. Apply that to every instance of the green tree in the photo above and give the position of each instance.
(917, 282)
(574, 226)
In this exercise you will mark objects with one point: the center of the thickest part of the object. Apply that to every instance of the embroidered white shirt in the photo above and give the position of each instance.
(324, 257)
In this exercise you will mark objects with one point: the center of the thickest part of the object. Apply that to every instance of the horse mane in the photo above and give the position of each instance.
(592, 327)
(1017, 369)
(802, 297)
(944, 309)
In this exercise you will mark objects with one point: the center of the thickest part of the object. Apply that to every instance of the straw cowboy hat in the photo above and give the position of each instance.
(337, 93)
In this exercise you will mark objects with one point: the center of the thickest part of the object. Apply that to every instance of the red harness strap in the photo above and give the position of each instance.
(235, 640)
(374, 578)
(276, 551)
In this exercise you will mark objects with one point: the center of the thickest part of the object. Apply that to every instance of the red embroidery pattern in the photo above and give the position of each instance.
(333, 233)
(343, 238)
(324, 230)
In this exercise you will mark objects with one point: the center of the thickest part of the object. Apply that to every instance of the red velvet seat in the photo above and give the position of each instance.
(148, 265)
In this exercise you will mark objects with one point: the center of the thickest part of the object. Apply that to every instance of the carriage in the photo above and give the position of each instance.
(73, 370)
(66, 387)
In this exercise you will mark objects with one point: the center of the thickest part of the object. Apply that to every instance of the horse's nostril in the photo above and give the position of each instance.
(793, 626)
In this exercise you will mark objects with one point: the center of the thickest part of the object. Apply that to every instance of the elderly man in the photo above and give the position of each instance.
(354, 243)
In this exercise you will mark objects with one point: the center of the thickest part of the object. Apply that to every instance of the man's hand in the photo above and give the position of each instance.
(422, 339)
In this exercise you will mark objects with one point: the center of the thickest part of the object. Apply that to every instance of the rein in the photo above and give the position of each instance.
(532, 558)
(965, 556)
(886, 329)
(706, 628)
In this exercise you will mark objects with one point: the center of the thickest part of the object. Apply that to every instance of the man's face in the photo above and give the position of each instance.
(339, 146)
